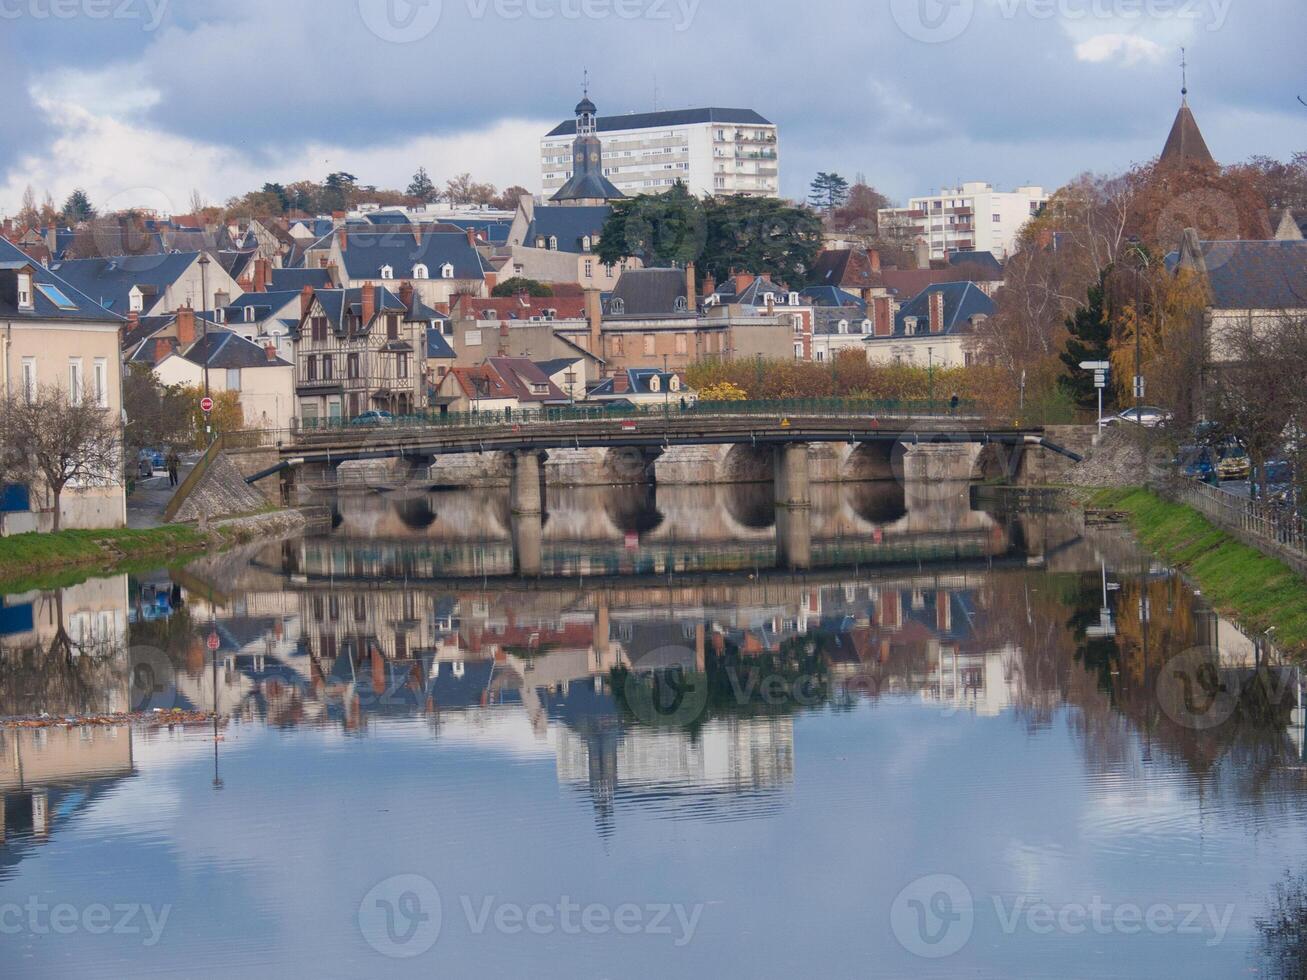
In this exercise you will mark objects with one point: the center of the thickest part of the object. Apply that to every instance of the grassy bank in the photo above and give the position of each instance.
(1257, 591)
(30, 561)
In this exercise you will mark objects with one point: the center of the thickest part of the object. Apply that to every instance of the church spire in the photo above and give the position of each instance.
(1185, 144)
(1184, 77)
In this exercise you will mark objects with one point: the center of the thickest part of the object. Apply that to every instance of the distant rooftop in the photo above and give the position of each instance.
(668, 117)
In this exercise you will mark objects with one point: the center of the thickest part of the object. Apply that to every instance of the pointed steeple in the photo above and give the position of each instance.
(1185, 144)
(1289, 229)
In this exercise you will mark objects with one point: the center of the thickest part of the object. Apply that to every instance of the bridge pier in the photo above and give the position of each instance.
(524, 488)
(527, 532)
(793, 492)
(527, 521)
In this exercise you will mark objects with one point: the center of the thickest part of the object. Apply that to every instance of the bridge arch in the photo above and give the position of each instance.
(747, 463)
(871, 461)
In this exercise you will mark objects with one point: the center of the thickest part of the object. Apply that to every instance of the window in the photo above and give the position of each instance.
(798, 351)
(102, 382)
(401, 365)
(318, 328)
(998, 218)
(618, 345)
(682, 343)
(392, 327)
(24, 290)
(585, 243)
(682, 305)
(351, 366)
(311, 367)
(589, 268)
(447, 271)
(75, 381)
(910, 326)
(843, 326)
(249, 314)
(327, 371)
(387, 272)
(135, 301)
(655, 384)
(649, 344)
(420, 271)
(54, 294)
(866, 327)
(29, 379)
(553, 243)
(617, 306)
(233, 379)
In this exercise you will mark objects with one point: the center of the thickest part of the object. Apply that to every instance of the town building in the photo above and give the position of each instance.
(971, 218)
(438, 265)
(710, 150)
(501, 384)
(150, 285)
(558, 244)
(56, 335)
(644, 387)
(934, 329)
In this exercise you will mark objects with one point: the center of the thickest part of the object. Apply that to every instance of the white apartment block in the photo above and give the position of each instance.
(970, 218)
(713, 151)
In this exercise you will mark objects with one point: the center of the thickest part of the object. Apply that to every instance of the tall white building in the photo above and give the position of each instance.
(713, 151)
(970, 218)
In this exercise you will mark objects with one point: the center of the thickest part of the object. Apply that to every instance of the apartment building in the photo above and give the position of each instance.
(970, 218)
(712, 150)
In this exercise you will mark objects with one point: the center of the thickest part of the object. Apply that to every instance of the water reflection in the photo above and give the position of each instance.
(999, 706)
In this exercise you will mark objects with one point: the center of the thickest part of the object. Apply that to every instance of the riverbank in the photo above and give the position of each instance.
(1258, 591)
(30, 561)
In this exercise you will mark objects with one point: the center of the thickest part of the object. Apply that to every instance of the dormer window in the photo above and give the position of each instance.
(585, 243)
(249, 314)
(540, 241)
(135, 301)
(447, 271)
(220, 316)
(420, 271)
(866, 326)
(769, 299)
(910, 326)
(794, 299)
(553, 243)
(618, 306)
(655, 384)
(681, 305)
(844, 326)
(25, 291)
(387, 272)
(675, 383)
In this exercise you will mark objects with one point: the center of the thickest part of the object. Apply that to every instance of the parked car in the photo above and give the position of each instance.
(1149, 416)
(1234, 465)
(373, 417)
(1196, 462)
(148, 461)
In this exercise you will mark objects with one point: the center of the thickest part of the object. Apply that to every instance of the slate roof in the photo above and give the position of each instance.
(568, 224)
(366, 253)
(1185, 144)
(648, 293)
(336, 303)
(846, 268)
(519, 307)
(297, 279)
(962, 302)
(272, 303)
(668, 117)
(978, 260)
(826, 319)
(43, 308)
(225, 349)
(108, 280)
(490, 230)
(638, 381)
(1269, 275)
(755, 294)
(236, 263)
(557, 364)
(587, 186)
(437, 346)
(831, 296)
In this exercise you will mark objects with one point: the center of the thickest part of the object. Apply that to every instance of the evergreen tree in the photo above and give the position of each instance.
(1090, 329)
(422, 187)
(828, 191)
(78, 207)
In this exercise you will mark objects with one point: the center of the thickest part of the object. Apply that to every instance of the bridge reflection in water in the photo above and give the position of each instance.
(478, 532)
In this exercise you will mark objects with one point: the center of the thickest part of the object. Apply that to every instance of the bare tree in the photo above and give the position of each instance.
(60, 441)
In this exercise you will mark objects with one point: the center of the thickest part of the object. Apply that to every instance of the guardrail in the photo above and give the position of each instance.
(1274, 523)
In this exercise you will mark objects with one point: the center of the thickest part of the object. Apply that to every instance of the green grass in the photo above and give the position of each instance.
(53, 560)
(1257, 591)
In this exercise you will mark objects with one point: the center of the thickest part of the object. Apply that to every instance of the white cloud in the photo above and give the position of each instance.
(1130, 49)
(121, 161)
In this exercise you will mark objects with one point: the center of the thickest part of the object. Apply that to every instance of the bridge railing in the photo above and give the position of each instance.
(670, 408)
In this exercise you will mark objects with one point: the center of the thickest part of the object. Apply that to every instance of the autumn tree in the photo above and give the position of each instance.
(28, 215)
(509, 197)
(158, 415)
(227, 414)
(54, 440)
(860, 214)
(521, 284)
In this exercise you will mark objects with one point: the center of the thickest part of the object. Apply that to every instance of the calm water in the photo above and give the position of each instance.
(995, 738)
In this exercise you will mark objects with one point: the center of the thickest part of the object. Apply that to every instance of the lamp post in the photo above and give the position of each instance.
(666, 389)
(204, 303)
(930, 377)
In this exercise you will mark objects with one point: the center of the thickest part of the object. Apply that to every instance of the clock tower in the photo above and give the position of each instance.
(587, 185)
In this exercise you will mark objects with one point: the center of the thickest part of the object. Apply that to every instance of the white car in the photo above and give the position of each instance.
(1150, 417)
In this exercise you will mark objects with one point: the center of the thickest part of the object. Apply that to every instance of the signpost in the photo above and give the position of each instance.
(206, 405)
(1100, 369)
(212, 641)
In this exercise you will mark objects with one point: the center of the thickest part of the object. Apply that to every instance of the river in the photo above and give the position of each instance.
(962, 741)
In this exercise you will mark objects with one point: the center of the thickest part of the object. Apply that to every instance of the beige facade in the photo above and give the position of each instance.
(53, 352)
(267, 393)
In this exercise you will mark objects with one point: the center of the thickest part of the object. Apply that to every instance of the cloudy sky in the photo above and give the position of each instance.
(139, 101)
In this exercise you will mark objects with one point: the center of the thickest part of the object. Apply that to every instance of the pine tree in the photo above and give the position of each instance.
(422, 187)
(828, 191)
(1090, 329)
(78, 207)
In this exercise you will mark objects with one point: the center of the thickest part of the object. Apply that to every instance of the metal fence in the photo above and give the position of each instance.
(1273, 522)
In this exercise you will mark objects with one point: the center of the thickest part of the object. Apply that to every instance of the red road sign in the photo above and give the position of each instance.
(206, 404)
(212, 641)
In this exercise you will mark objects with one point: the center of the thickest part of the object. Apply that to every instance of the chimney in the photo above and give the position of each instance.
(621, 383)
(492, 280)
(221, 299)
(742, 280)
(882, 324)
(471, 237)
(342, 236)
(874, 257)
(306, 301)
(161, 349)
(186, 326)
(333, 274)
(271, 351)
(261, 275)
(923, 254)
(406, 294)
(936, 300)
(133, 320)
(368, 303)
(691, 297)
(709, 285)
(594, 313)
(441, 307)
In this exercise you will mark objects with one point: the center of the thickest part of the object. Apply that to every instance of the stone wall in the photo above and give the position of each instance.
(221, 492)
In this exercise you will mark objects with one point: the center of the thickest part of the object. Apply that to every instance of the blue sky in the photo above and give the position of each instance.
(142, 100)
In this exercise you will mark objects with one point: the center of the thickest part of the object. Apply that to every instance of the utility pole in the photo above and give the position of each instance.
(204, 304)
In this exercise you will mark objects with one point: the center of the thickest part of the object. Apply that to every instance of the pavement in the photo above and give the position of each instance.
(145, 505)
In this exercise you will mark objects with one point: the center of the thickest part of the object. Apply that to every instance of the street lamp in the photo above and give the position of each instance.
(666, 389)
(204, 303)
